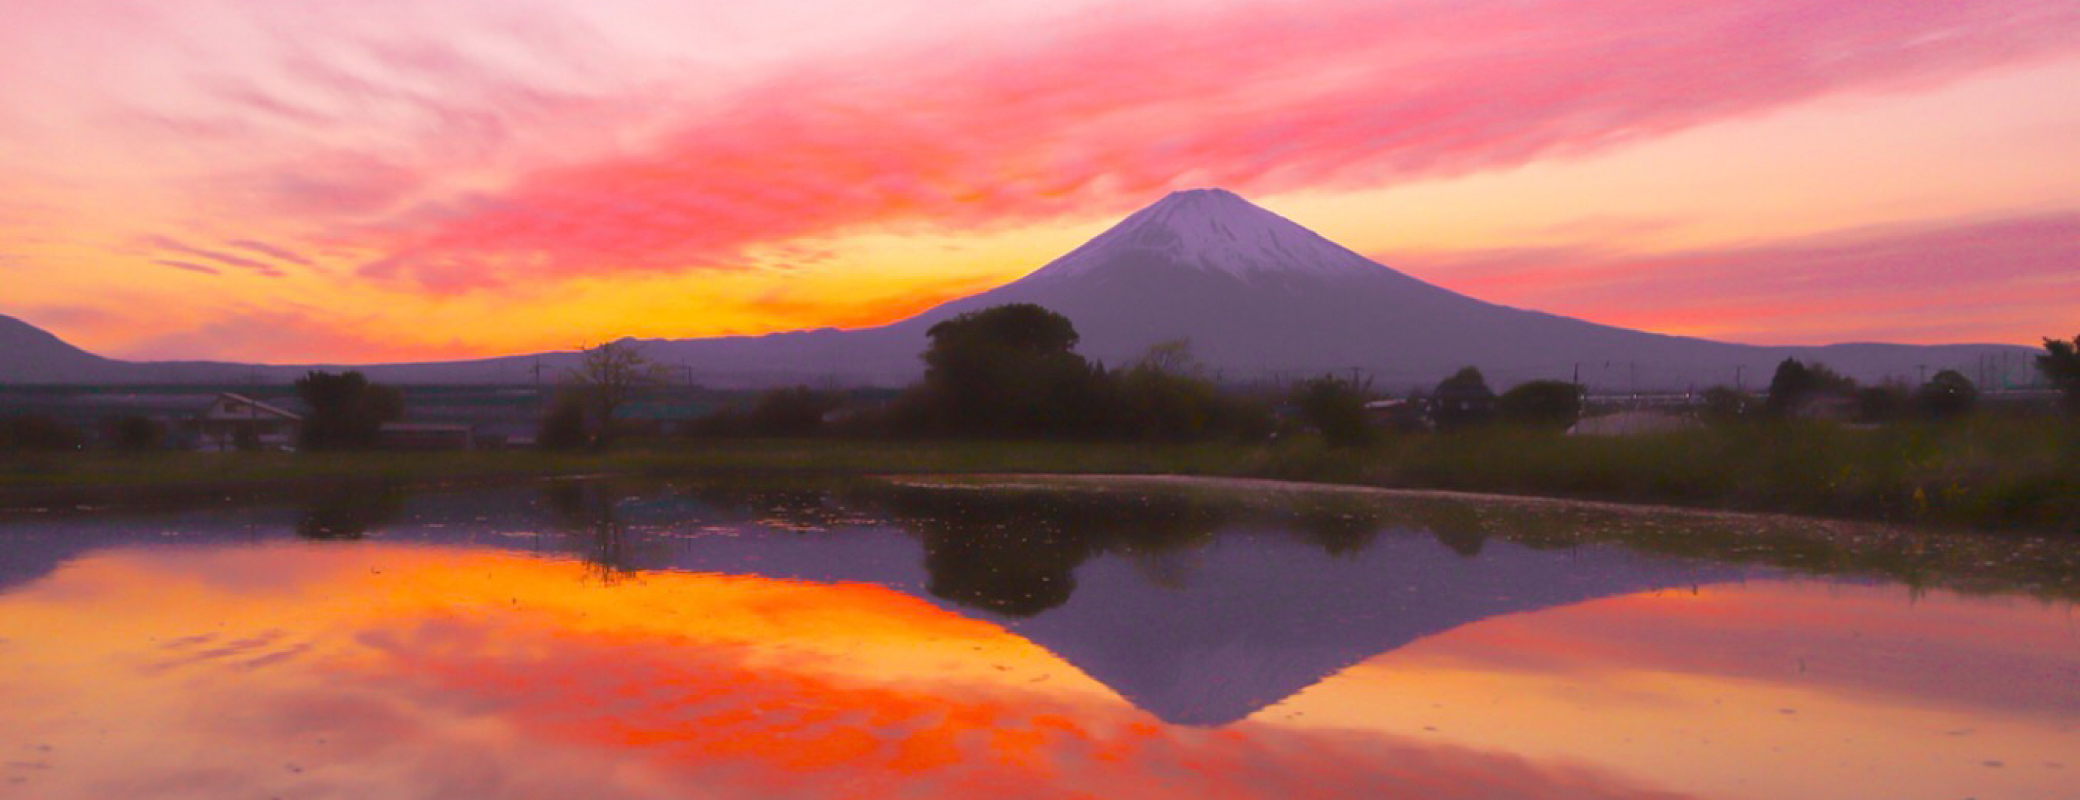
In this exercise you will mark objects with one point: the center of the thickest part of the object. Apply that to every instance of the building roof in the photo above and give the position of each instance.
(248, 408)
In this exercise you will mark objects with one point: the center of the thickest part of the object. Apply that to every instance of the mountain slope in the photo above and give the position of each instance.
(28, 354)
(1258, 296)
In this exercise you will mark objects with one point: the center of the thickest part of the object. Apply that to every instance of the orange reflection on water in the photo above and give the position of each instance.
(385, 671)
(1771, 689)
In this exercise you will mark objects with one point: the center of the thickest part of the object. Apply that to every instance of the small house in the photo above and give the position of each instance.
(234, 421)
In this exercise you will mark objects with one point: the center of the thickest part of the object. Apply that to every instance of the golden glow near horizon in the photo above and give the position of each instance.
(386, 181)
(411, 671)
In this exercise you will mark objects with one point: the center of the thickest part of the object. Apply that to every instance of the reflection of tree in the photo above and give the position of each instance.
(585, 510)
(1457, 526)
(1465, 542)
(1341, 529)
(348, 514)
(1016, 552)
(1018, 569)
(772, 502)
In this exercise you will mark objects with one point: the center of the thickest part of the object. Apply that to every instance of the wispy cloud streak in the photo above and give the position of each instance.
(1104, 117)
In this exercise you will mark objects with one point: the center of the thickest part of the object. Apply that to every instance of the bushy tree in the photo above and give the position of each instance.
(1542, 404)
(346, 411)
(1335, 408)
(1796, 382)
(563, 427)
(1462, 400)
(1010, 370)
(796, 411)
(1166, 395)
(2060, 364)
(1948, 395)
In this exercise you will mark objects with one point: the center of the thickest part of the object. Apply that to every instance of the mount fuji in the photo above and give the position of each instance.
(1257, 295)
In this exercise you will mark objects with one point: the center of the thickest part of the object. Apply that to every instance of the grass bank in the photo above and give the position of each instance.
(1981, 473)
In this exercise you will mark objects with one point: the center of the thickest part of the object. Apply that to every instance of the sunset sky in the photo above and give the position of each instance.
(389, 179)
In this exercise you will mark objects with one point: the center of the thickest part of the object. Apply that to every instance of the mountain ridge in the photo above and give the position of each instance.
(1259, 297)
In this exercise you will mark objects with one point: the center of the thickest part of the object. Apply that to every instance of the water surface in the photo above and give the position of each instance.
(1138, 640)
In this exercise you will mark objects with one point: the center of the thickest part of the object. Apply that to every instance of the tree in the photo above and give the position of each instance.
(2060, 364)
(346, 411)
(1461, 400)
(1166, 395)
(1542, 404)
(1010, 370)
(609, 376)
(797, 411)
(1335, 408)
(563, 428)
(1947, 395)
(1794, 383)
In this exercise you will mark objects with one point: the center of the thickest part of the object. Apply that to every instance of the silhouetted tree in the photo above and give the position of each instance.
(1461, 400)
(2060, 364)
(796, 411)
(1542, 404)
(1795, 383)
(1010, 370)
(608, 377)
(1335, 408)
(563, 428)
(1947, 395)
(346, 411)
(1166, 395)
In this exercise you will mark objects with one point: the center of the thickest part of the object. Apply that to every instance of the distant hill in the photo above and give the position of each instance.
(1257, 295)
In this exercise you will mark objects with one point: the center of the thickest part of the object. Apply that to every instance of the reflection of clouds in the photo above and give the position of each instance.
(705, 719)
(423, 672)
(1828, 636)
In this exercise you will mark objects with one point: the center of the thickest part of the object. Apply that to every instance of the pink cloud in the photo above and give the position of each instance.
(271, 251)
(2011, 277)
(169, 244)
(190, 266)
(1259, 98)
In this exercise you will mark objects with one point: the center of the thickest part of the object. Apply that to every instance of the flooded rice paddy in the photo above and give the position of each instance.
(1022, 639)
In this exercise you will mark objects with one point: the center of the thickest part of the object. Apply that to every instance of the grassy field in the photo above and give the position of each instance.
(1982, 473)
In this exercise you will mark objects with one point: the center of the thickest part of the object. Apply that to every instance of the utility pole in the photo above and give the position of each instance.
(1737, 385)
(1924, 373)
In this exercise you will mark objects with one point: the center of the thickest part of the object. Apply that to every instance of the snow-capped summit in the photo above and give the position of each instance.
(1210, 229)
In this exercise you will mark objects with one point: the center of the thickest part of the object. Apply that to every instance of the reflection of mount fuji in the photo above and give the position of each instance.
(1259, 618)
(1214, 625)
(1197, 617)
